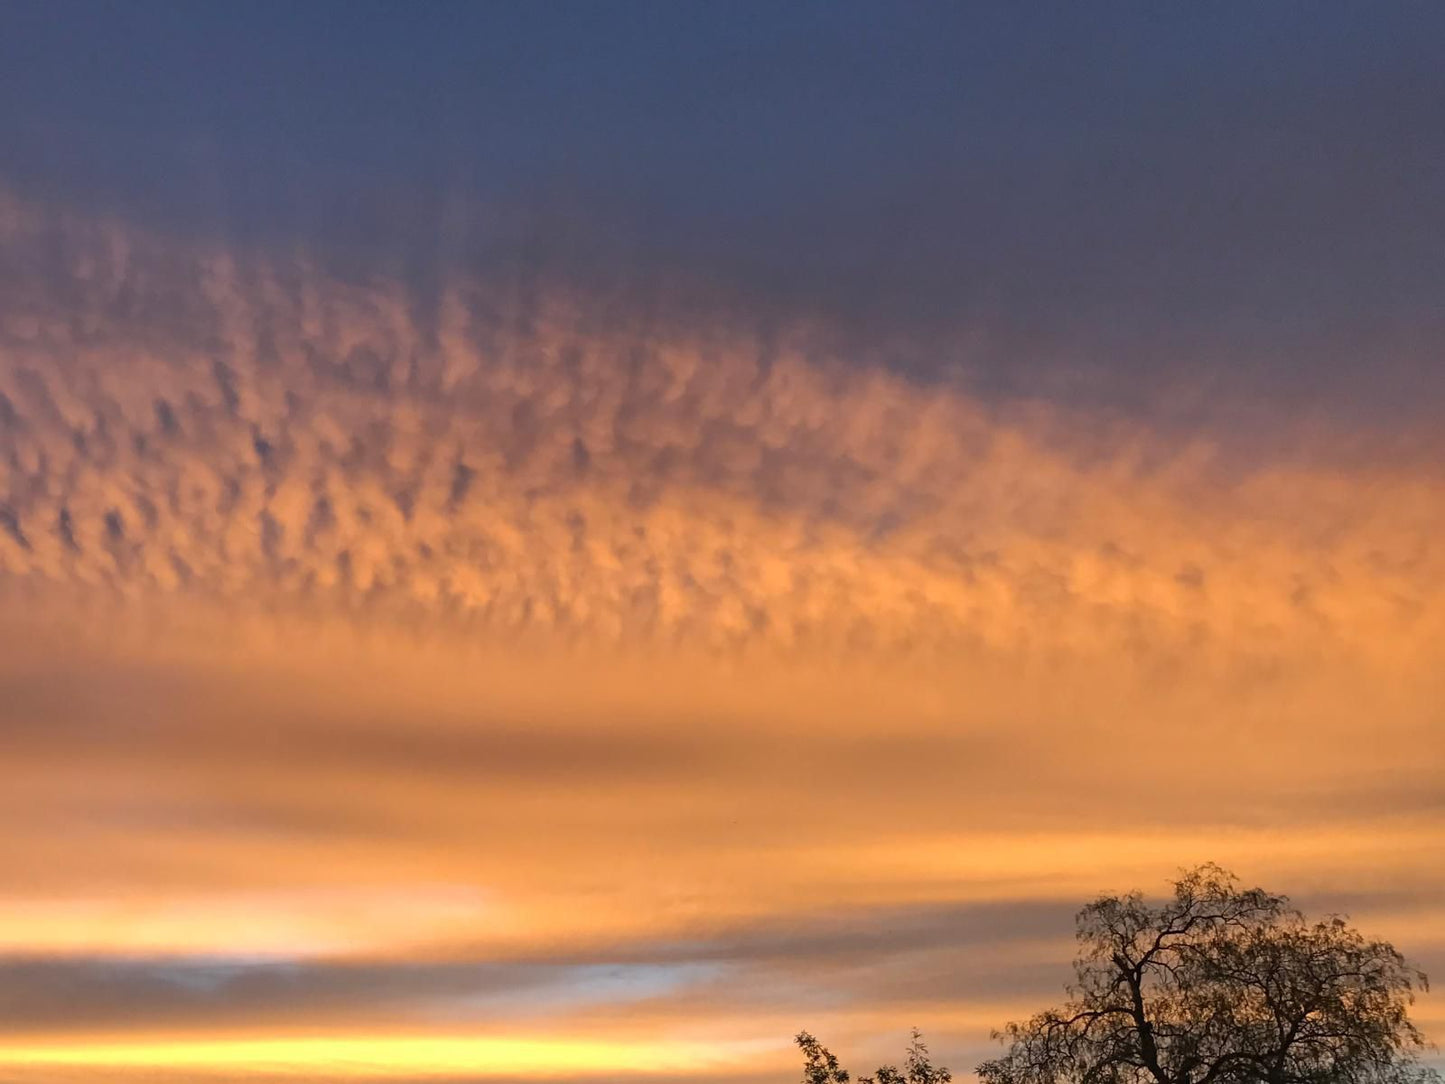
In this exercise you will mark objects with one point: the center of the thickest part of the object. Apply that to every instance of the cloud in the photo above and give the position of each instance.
(90, 995)
(937, 953)
(180, 421)
(367, 656)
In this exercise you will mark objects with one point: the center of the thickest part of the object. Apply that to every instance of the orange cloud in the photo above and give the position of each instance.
(343, 632)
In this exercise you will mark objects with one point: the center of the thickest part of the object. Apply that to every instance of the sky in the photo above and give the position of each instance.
(559, 542)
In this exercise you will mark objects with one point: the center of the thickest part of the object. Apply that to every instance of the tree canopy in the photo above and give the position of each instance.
(1215, 985)
(1220, 985)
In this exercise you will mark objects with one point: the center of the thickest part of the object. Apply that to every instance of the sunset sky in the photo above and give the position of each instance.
(563, 540)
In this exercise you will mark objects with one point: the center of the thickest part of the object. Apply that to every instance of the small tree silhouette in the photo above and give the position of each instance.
(821, 1067)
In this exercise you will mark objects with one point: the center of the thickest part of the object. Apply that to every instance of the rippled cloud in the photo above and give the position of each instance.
(180, 420)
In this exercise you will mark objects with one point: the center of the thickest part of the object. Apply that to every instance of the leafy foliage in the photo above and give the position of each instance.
(821, 1067)
(819, 1064)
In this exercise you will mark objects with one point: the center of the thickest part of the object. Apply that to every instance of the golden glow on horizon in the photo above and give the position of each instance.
(430, 1055)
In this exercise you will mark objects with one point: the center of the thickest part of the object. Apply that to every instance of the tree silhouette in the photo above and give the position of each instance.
(1220, 985)
(821, 1067)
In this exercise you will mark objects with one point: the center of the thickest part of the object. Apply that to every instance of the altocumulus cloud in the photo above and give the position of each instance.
(178, 420)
